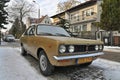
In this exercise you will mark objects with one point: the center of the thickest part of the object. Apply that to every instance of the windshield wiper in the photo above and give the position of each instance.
(59, 34)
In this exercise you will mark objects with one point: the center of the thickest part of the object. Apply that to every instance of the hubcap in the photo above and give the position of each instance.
(43, 63)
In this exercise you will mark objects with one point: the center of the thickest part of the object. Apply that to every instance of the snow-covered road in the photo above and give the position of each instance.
(111, 68)
(13, 66)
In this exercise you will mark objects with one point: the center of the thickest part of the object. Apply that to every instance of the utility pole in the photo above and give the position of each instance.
(38, 8)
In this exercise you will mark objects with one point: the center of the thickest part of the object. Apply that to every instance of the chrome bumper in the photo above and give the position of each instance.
(78, 56)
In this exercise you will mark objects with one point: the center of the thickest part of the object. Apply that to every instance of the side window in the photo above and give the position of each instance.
(31, 32)
(27, 31)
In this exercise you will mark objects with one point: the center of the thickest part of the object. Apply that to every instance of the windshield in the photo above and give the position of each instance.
(51, 30)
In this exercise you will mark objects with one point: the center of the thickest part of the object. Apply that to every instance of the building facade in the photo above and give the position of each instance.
(82, 17)
(43, 20)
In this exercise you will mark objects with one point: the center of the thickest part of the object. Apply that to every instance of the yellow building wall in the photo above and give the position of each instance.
(88, 26)
(55, 19)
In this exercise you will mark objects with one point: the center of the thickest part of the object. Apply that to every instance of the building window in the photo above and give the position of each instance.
(81, 28)
(45, 21)
(84, 27)
(92, 11)
(88, 12)
(75, 17)
(78, 28)
(72, 28)
(75, 28)
(78, 18)
(83, 15)
(71, 17)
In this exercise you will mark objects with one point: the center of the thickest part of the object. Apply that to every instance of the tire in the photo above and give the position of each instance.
(23, 51)
(45, 66)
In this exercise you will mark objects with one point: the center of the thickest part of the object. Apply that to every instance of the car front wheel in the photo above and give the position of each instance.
(45, 66)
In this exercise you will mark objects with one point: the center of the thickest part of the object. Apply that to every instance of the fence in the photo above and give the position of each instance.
(116, 40)
(105, 37)
(85, 34)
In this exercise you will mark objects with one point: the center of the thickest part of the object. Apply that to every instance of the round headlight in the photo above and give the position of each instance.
(71, 49)
(100, 47)
(62, 49)
(96, 47)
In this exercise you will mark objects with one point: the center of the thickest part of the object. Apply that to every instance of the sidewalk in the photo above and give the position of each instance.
(3, 43)
(9, 44)
(13, 66)
(112, 48)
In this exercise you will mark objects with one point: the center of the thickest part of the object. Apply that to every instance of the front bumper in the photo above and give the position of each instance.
(78, 56)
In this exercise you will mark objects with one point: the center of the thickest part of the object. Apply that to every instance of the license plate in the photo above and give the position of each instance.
(84, 60)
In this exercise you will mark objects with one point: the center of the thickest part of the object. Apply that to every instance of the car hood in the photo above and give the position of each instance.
(72, 40)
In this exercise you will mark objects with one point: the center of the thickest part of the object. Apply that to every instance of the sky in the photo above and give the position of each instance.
(47, 7)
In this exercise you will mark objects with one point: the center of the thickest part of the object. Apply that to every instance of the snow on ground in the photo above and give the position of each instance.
(13, 66)
(112, 48)
(3, 43)
(111, 68)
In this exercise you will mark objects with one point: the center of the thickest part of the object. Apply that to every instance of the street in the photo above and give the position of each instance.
(14, 66)
(60, 33)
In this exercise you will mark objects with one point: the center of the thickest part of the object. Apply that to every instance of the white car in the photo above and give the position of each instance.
(9, 38)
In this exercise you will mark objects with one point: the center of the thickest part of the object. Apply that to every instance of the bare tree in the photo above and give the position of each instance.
(63, 6)
(20, 9)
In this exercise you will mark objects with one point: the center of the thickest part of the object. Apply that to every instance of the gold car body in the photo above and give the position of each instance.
(50, 44)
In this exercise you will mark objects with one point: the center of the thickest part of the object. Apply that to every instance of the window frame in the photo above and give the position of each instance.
(27, 32)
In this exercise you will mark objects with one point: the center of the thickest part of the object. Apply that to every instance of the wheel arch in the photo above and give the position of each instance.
(38, 50)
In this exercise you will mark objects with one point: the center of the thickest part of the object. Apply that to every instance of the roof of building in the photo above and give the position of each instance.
(37, 20)
(82, 5)
(42, 18)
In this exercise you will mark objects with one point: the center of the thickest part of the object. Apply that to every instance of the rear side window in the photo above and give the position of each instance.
(30, 31)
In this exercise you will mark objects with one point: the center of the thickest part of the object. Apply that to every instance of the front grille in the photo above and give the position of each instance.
(82, 48)
(91, 48)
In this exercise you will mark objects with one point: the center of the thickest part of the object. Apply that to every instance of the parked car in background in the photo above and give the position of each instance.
(9, 38)
(53, 46)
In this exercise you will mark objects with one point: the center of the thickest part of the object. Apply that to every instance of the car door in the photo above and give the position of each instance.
(25, 39)
(31, 40)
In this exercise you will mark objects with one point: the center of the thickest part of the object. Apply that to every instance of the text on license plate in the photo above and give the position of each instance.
(84, 60)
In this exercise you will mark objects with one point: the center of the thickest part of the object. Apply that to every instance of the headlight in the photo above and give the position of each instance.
(100, 47)
(96, 47)
(62, 49)
(71, 49)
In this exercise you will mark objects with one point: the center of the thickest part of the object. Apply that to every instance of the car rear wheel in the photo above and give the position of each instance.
(23, 51)
(45, 66)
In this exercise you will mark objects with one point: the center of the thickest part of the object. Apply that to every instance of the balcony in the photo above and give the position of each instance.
(81, 19)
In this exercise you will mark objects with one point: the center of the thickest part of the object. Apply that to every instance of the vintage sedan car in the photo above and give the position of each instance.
(53, 46)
